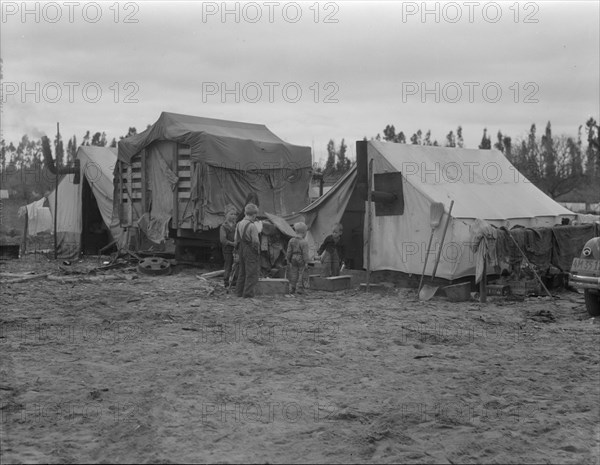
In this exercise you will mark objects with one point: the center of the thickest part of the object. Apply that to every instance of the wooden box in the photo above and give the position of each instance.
(498, 289)
(374, 287)
(333, 283)
(525, 287)
(272, 286)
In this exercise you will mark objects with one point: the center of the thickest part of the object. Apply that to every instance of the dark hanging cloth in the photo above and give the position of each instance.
(568, 241)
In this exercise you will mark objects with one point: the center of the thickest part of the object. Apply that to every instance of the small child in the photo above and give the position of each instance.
(297, 256)
(227, 236)
(331, 252)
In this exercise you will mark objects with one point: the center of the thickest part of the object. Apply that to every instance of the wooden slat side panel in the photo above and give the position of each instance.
(175, 168)
(144, 182)
(122, 214)
(184, 151)
(129, 193)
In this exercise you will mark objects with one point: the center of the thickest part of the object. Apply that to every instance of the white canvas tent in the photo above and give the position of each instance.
(482, 183)
(89, 204)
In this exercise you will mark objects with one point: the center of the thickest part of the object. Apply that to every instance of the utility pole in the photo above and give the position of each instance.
(52, 165)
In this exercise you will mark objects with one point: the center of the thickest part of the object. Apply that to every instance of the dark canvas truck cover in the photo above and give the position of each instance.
(192, 167)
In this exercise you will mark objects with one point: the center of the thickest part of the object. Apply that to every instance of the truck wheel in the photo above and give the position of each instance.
(592, 303)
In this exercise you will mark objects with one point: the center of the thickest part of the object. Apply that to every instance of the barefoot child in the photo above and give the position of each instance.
(332, 252)
(227, 236)
(297, 256)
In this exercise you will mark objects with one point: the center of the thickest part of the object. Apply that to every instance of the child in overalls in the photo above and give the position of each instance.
(297, 257)
(227, 237)
(332, 252)
(246, 237)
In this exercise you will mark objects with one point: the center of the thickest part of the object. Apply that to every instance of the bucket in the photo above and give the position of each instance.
(458, 292)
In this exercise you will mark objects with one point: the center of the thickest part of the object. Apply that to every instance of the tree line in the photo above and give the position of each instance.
(28, 152)
(555, 164)
(22, 164)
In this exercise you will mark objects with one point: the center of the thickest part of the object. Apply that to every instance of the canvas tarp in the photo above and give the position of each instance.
(543, 248)
(97, 165)
(220, 143)
(568, 242)
(279, 191)
(228, 161)
(482, 183)
(160, 185)
(68, 218)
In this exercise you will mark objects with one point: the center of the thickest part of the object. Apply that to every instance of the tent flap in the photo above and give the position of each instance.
(97, 166)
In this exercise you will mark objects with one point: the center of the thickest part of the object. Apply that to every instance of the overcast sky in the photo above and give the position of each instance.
(310, 72)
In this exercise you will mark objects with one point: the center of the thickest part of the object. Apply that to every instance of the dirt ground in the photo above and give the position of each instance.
(153, 369)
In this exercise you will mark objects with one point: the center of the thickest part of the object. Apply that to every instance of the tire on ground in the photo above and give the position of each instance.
(154, 266)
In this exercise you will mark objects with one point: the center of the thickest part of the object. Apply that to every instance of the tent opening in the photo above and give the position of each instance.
(353, 223)
(353, 219)
(94, 233)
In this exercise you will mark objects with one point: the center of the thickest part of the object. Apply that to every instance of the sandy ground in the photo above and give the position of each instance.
(150, 369)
